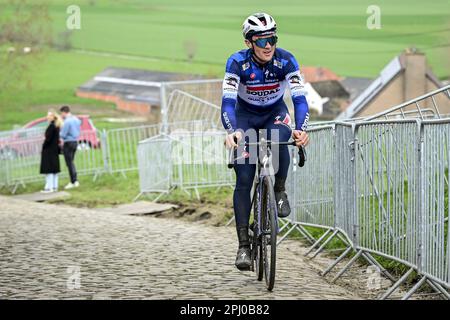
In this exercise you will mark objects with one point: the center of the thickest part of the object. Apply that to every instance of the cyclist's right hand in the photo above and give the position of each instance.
(232, 139)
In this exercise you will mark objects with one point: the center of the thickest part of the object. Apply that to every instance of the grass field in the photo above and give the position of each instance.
(153, 35)
(327, 33)
(54, 81)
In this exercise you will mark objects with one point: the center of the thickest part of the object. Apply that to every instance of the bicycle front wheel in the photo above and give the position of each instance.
(257, 248)
(269, 236)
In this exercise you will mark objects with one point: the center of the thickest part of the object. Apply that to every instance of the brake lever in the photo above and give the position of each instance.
(301, 156)
(232, 155)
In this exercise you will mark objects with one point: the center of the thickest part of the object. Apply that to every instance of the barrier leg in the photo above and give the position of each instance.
(324, 244)
(163, 193)
(335, 262)
(286, 234)
(414, 289)
(352, 260)
(438, 288)
(197, 194)
(305, 233)
(374, 262)
(284, 226)
(187, 192)
(230, 221)
(396, 285)
(344, 240)
(317, 242)
(17, 185)
(97, 174)
(137, 197)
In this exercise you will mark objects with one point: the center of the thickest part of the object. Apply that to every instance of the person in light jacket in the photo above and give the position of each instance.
(70, 133)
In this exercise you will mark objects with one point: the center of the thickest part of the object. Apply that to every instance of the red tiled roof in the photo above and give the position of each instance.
(315, 74)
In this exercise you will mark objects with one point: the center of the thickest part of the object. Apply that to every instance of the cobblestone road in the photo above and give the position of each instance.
(126, 257)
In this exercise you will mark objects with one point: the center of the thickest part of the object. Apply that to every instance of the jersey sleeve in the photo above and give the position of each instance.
(297, 86)
(229, 95)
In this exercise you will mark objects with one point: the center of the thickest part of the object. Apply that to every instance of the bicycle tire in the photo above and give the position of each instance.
(259, 264)
(269, 237)
(258, 256)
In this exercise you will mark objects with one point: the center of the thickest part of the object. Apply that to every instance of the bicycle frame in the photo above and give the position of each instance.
(265, 210)
(264, 169)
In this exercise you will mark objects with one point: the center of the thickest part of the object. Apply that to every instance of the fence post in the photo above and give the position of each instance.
(163, 106)
(339, 202)
(5, 174)
(354, 212)
(8, 173)
(420, 196)
(105, 154)
(335, 179)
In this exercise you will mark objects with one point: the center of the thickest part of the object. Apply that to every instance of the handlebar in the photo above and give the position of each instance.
(301, 150)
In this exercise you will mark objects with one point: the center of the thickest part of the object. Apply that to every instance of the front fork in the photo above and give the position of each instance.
(256, 231)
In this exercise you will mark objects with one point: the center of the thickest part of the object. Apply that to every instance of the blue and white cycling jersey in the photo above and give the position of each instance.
(258, 88)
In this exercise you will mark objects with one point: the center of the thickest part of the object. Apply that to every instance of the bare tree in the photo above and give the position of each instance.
(190, 48)
(24, 31)
(63, 41)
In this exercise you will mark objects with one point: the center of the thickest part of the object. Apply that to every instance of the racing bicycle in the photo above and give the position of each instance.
(264, 229)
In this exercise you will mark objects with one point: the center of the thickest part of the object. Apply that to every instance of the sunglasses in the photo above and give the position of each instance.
(262, 42)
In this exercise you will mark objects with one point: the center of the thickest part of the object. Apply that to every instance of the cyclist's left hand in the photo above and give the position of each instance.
(301, 138)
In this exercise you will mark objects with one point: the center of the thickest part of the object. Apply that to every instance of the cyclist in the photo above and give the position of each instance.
(253, 88)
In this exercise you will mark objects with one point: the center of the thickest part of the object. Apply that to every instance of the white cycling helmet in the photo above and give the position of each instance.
(258, 24)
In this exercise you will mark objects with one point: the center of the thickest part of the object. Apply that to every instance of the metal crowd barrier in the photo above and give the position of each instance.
(390, 190)
(99, 152)
(389, 185)
(183, 105)
(434, 104)
(314, 206)
(189, 160)
(190, 101)
(20, 164)
(121, 146)
(434, 261)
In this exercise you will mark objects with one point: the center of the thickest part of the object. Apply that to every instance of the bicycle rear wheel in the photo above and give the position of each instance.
(269, 236)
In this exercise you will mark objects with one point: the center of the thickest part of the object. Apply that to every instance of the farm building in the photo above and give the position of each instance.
(405, 77)
(132, 90)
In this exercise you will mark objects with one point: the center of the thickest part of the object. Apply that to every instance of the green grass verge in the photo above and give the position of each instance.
(118, 188)
(328, 33)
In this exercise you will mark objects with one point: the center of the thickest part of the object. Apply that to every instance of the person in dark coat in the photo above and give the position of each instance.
(50, 153)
